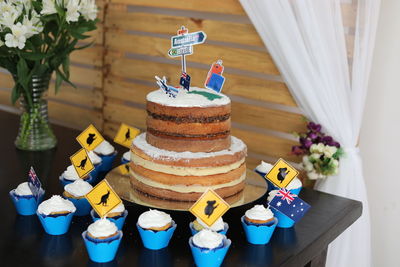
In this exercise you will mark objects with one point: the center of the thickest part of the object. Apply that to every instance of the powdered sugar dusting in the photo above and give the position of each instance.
(184, 99)
(140, 142)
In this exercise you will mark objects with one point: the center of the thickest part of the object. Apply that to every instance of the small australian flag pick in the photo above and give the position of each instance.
(289, 204)
(185, 81)
(34, 183)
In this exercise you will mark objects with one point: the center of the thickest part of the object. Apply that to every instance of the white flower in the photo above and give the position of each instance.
(33, 26)
(6, 7)
(308, 166)
(315, 156)
(329, 151)
(72, 11)
(335, 163)
(8, 18)
(49, 7)
(317, 148)
(312, 175)
(88, 9)
(17, 38)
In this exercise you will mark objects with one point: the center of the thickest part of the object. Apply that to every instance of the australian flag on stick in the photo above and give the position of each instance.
(289, 204)
(185, 81)
(34, 183)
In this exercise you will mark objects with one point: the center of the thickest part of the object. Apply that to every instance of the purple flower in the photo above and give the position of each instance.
(314, 127)
(313, 136)
(326, 140)
(305, 142)
(336, 144)
(297, 150)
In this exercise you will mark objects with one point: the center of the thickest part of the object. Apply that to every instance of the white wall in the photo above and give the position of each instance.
(380, 138)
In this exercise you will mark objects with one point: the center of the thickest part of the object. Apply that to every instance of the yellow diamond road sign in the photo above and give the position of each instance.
(281, 174)
(81, 162)
(125, 135)
(209, 207)
(90, 138)
(124, 168)
(103, 198)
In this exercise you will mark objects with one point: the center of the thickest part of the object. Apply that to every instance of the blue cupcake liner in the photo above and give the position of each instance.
(55, 225)
(95, 172)
(124, 161)
(283, 220)
(64, 181)
(102, 250)
(107, 161)
(224, 231)
(118, 220)
(156, 239)
(26, 205)
(82, 205)
(209, 257)
(258, 234)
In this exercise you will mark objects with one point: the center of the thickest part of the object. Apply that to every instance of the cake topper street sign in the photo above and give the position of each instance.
(209, 207)
(103, 198)
(214, 79)
(281, 174)
(169, 90)
(90, 138)
(289, 204)
(34, 183)
(125, 135)
(82, 163)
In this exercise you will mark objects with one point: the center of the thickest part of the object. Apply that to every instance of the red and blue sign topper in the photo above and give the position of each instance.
(289, 204)
(214, 79)
(34, 183)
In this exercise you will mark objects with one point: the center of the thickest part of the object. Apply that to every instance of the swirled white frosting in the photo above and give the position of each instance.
(56, 204)
(78, 188)
(207, 238)
(127, 155)
(264, 167)
(105, 148)
(94, 158)
(23, 189)
(102, 228)
(294, 184)
(70, 173)
(259, 212)
(272, 195)
(219, 224)
(118, 208)
(153, 218)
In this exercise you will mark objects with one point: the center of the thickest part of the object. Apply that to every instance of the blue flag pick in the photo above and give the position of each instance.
(185, 81)
(289, 204)
(34, 183)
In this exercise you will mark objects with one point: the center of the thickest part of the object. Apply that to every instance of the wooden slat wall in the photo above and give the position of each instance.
(74, 107)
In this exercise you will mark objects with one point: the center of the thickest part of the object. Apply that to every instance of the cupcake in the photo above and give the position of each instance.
(295, 186)
(97, 162)
(70, 175)
(56, 214)
(24, 201)
(155, 228)
(75, 192)
(209, 248)
(283, 220)
(259, 224)
(102, 240)
(107, 154)
(117, 215)
(126, 157)
(219, 226)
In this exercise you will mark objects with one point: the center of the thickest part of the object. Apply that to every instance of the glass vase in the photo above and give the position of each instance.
(35, 133)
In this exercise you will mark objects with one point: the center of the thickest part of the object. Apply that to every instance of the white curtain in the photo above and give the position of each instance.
(307, 40)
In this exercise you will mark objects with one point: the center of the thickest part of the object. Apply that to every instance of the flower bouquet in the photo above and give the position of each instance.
(321, 153)
(36, 39)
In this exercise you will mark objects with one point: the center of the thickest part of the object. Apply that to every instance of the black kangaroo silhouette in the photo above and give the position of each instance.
(83, 163)
(127, 167)
(104, 199)
(282, 174)
(209, 209)
(90, 138)
(128, 135)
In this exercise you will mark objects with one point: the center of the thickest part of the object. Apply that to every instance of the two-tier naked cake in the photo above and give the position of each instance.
(188, 147)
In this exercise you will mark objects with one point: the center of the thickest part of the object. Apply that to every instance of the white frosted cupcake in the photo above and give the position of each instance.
(107, 154)
(259, 215)
(97, 162)
(219, 226)
(76, 192)
(24, 201)
(56, 214)
(126, 157)
(70, 175)
(117, 215)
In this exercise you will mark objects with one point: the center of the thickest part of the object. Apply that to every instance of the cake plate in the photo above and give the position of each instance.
(255, 187)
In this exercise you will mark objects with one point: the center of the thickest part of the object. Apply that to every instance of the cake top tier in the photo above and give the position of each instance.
(196, 97)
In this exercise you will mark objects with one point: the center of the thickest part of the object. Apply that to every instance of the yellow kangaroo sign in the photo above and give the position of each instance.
(125, 135)
(281, 174)
(103, 198)
(81, 162)
(90, 138)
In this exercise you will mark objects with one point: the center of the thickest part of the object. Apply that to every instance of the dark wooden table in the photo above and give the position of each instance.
(24, 243)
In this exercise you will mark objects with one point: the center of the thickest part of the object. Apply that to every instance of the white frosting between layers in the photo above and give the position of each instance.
(105, 148)
(56, 204)
(119, 208)
(127, 155)
(140, 142)
(219, 224)
(70, 173)
(259, 212)
(186, 188)
(294, 184)
(183, 170)
(78, 188)
(184, 99)
(102, 228)
(208, 239)
(264, 167)
(23, 190)
(154, 218)
(94, 158)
